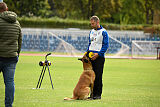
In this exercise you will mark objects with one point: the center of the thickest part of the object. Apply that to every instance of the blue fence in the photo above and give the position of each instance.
(45, 42)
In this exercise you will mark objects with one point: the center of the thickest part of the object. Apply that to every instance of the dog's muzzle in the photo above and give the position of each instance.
(80, 59)
(85, 60)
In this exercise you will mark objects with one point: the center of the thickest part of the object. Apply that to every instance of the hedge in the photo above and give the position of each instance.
(55, 22)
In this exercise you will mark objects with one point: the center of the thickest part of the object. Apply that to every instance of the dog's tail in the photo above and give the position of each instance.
(74, 98)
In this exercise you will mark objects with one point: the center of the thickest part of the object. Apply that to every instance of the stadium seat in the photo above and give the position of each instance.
(138, 38)
(142, 39)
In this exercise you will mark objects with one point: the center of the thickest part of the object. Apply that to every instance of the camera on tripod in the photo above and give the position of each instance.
(45, 65)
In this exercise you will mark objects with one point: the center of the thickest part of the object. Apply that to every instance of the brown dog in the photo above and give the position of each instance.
(85, 83)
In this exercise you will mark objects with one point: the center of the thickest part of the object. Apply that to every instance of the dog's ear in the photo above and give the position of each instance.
(85, 60)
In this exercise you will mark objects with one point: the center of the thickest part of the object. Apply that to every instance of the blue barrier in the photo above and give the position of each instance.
(42, 42)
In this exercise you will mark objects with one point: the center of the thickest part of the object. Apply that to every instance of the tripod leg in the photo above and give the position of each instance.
(50, 78)
(40, 77)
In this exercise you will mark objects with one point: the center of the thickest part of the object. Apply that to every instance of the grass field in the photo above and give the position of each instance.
(126, 83)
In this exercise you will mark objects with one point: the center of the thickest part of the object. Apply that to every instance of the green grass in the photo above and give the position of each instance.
(126, 83)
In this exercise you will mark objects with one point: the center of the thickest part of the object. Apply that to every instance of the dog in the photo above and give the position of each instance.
(85, 84)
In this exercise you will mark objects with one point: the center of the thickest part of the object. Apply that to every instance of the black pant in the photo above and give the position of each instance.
(98, 65)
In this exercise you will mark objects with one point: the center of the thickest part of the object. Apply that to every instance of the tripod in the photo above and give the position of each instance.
(45, 65)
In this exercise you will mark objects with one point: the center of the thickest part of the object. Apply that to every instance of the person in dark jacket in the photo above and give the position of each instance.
(10, 46)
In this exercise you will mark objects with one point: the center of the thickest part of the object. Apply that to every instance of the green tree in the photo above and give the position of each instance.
(138, 11)
(108, 9)
(150, 6)
(83, 9)
(132, 12)
(29, 7)
(113, 11)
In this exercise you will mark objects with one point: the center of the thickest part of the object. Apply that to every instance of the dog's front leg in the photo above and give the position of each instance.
(91, 88)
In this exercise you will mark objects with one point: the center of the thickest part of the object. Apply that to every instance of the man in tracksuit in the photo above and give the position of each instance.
(98, 44)
(10, 46)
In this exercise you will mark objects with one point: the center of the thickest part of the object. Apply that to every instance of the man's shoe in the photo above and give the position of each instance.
(90, 98)
(97, 98)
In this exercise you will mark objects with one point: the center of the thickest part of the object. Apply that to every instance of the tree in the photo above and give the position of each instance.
(113, 11)
(84, 9)
(132, 12)
(150, 6)
(28, 7)
(107, 8)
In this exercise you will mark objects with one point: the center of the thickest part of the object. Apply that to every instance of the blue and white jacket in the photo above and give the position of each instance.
(98, 41)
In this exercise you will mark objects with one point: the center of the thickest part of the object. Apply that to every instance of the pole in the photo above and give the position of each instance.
(40, 77)
(50, 77)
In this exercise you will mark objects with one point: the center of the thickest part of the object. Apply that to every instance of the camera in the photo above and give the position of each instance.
(45, 63)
